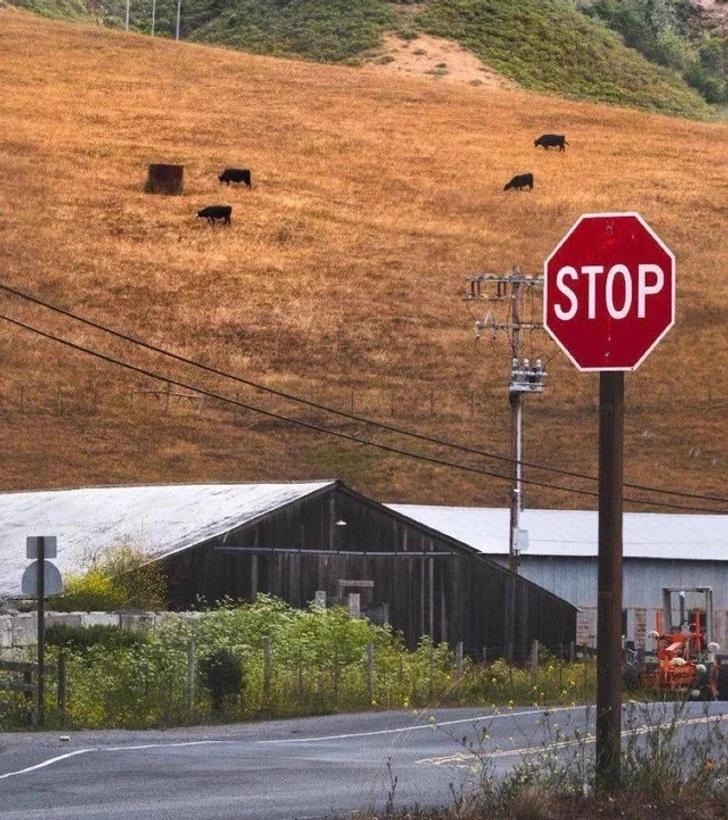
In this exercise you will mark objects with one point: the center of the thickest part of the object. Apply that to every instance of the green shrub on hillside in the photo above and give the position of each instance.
(64, 9)
(670, 32)
(324, 30)
(550, 46)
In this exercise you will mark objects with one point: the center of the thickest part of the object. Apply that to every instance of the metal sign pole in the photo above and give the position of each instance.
(609, 605)
(40, 681)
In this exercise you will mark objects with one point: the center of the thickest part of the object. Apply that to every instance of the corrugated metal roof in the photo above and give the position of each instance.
(157, 520)
(574, 532)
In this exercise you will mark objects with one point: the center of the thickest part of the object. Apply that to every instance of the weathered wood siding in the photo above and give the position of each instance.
(460, 597)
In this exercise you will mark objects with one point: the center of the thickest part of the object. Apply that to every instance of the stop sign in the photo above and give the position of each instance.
(609, 291)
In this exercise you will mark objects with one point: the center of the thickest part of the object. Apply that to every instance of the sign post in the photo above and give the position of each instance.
(609, 298)
(40, 581)
(41, 578)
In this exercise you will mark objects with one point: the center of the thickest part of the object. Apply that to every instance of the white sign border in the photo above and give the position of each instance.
(553, 253)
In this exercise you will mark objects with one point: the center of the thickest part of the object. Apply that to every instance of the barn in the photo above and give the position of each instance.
(660, 550)
(298, 541)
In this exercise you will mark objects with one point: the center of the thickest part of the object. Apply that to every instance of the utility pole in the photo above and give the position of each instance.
(526, 377)
(126, 22)
(179, 14)
(512, 291)
(154, 14)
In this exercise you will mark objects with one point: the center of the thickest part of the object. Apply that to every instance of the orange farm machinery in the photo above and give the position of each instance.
(685, 662)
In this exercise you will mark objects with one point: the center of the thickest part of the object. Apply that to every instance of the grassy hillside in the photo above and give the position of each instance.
(341, 276)
(550, 46)
(542, 44)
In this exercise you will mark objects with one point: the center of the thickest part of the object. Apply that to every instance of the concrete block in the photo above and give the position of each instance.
(25, 629)
(100, 619)
(6, 631)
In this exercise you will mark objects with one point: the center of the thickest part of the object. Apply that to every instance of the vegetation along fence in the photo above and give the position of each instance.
(269, 660)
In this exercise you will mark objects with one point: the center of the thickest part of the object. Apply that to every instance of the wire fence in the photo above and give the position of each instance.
(141, 686)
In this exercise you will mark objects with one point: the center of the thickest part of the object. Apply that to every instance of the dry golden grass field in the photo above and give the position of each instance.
(341, 275)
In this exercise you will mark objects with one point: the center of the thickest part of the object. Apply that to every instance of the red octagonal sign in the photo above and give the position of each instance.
(609, 291)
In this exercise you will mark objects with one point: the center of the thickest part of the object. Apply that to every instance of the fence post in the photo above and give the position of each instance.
(336, 675)
(300, 676)
(572, 651)
(191, 669)
(28, 681)
(485, 654)
(266, 667)
(370, 672)
(431, 687)
(61, 691)
(534, 656)
(459, 659)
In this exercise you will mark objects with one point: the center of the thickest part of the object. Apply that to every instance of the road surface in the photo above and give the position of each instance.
(306, 768)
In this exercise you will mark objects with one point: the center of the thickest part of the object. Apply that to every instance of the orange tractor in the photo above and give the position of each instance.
(686, 662)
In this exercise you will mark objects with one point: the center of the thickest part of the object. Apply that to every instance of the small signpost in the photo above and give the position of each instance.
(39, 580)
(609, 298)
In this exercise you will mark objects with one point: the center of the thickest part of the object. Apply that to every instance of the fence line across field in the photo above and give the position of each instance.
(278, 680)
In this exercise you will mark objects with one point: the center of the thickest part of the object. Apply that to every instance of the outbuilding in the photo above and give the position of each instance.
(301, 542)
(660, 550)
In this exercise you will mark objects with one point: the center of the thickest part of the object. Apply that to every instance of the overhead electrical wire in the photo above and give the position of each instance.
(322, 429)
(335, 411)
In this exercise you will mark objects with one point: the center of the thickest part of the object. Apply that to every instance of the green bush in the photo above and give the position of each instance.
(81, 638)
(222, 674)
(120, 578)
(673, 34)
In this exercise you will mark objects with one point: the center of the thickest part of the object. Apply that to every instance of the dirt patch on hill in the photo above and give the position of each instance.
(435, 57)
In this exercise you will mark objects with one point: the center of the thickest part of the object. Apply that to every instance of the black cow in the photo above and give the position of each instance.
(213, 212)
(236, 175)
(547, 141)
(520, 181)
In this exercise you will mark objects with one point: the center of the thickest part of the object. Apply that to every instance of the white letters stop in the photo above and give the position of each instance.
(601, 289)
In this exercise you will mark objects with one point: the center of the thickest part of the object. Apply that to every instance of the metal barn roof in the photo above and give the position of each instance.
(157, 520)
(574, 532)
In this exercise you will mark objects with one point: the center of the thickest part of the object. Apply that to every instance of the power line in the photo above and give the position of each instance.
(320, 428)
(335, 411)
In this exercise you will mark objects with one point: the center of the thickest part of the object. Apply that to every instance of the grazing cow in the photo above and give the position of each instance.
(213, 212)
(520, 181)
(236, 175)
(547, 141)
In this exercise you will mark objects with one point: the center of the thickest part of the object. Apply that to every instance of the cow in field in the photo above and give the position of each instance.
(547, 141)
(213, 212)
(236, 175)
(519, 182)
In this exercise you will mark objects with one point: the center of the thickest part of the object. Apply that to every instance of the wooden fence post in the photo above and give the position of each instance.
(534, 656)
(572, 651)
(267, 667)
(191, 679)
(459, 659)
(300, 675)
(61, 691)
(431, 688)
(370, 672)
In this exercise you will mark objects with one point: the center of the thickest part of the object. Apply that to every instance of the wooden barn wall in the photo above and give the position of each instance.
(454, 598)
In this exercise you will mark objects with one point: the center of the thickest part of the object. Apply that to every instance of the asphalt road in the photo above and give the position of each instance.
(303, 768)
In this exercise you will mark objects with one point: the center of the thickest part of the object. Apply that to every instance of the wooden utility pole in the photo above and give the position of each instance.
(609, 604)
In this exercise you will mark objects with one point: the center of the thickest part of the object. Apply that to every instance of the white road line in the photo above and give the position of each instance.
(46, 763)
(58, 759)
(418, 727)
(461, 757)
